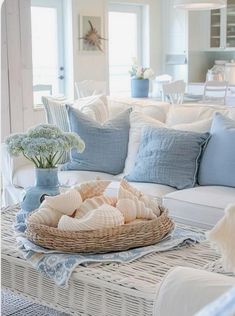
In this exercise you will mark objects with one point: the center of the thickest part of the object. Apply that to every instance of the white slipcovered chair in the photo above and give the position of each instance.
(215, 92)
(88, 88)
(185, 291)
(174, 91)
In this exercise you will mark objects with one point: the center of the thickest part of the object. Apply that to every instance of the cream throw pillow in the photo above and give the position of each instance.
(95, 107)
(139, 120)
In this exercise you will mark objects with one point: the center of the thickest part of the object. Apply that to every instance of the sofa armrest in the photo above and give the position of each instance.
(10, 165)
(184, 291)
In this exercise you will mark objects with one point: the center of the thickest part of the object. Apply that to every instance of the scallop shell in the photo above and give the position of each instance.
(106, 216)
(134, 209)
(65, 203)
(45, 216)
(94, 203)
(92, 188)
(126, 191)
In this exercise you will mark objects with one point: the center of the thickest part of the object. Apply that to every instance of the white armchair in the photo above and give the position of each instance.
(11, 193)
(185, 291)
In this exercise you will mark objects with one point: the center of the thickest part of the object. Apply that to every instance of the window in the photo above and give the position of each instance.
(125, 42)
(47, 48)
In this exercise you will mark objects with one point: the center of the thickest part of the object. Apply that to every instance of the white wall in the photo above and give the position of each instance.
(89, 65)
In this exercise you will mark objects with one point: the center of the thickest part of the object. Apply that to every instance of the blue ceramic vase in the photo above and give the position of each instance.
(139, 88)
(47, 183)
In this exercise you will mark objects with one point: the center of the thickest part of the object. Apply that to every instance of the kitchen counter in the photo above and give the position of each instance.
(195, 92)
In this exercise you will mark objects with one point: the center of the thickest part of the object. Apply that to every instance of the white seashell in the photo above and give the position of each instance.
(152, 204)
(133, 209)
(125, 185)
(45, 216)
(92, 188)
(65, 203)
(126, 191)
(93, 203)
(127, 207)
(106, 216)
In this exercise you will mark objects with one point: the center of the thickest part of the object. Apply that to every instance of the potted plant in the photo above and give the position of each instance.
(44, 145)
(140, 80)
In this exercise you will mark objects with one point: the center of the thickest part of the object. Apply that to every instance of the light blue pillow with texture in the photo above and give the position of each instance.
(218, 161)
(106, 145)
(169, 157)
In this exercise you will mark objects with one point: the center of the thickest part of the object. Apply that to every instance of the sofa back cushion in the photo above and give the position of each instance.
(169, 157)
(218, 161)
(106, 145)
(155, 109)
(192, 113)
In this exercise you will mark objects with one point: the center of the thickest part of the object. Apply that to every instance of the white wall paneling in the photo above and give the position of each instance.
(5, 109)
(14, 65)
(17, 68)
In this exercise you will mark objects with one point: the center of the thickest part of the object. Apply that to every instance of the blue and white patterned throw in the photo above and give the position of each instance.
(59, 266)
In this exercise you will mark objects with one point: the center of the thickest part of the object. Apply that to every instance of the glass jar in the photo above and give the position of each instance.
(217, 72)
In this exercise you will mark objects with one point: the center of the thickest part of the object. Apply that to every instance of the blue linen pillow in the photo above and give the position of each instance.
(106, 145)
(218, 161)
(169, 157)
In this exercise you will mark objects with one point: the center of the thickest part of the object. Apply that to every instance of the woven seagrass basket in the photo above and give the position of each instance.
(119, 238)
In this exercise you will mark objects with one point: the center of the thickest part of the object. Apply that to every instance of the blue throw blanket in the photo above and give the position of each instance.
(59, 266)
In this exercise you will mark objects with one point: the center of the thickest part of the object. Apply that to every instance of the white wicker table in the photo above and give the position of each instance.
(97, 290)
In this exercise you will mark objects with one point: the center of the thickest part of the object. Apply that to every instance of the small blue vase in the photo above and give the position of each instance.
(139, 88)
(47, 183)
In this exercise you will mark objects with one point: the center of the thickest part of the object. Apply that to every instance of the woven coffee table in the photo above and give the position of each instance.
(97, 290)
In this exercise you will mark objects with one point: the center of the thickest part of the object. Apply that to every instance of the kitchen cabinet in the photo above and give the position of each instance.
(222, 27)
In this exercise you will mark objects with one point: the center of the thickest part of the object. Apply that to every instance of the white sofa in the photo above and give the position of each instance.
(201, 206)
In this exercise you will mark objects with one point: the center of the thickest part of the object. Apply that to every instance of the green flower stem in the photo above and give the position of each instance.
(59, 158)
(31, 159)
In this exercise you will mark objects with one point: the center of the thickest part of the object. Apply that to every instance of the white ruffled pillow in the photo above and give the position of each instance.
(95, 107)
(139, 120)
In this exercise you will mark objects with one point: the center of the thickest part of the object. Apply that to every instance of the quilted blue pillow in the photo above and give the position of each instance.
(169, 157)
(106, 145)
(218, 161)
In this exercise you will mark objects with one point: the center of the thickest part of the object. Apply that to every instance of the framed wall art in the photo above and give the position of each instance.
(91, 34)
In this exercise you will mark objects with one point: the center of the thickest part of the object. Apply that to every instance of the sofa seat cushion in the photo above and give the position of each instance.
(201, 206)
(25, 177)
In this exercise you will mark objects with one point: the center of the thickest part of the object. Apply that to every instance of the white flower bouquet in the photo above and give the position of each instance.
(44, 145)
(139, 72)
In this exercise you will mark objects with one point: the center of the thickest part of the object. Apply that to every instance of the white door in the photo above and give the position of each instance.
(47, 48)
(125, 43)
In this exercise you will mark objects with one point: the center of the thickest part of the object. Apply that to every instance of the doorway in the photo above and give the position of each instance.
(125, 43)
(47, 49)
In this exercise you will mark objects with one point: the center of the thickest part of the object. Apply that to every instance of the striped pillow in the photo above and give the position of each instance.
(56, 114)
